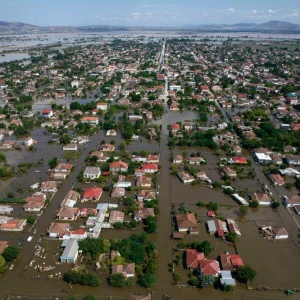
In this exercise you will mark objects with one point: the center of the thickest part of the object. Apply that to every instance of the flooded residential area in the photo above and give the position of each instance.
(150, 165)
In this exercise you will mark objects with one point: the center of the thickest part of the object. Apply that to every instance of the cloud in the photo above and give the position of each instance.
(271, 11)
(232, 10)
(295, 14)
(254, 12)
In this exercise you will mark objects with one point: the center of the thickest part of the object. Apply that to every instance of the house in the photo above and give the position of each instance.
(174, 107)
(78, 234)
(49, 187)
(289, 149)
(185, 177)
(236, 119)
(150, 168)
(116, 216)
(262, 158)
(47, 113)
(175, 127)
(70, 199)
(143, 181)
(102, 106)
(292, 160)
(231, 262)
(92, 194)
(145, 195)
(177, 159)
(70, 147)
(101, 156)
(187, 223)
(90, 120)
(107, 147)
(192, 258)
(291, 201)
(261, 198)
(118, 192)
(289, 172)
(86, 212)
(209, 267)
(143, 213)
(241, 160)
(29, 141)
(70, 252)
(59, 230)
(230, 172)
(152, 159)
(226, 278)
(277, 179)
(217, 226)
(236, 149)
(233, 227)
(10, 224)
(63, 168)
(280, 233)
(118, 166)
(91, 173)
(196, 160)
(6, 209)
(111, 132)
(202, 176)
(68, 213)
(139, 172)
(128, 270)
(3, 245)
(35, 203)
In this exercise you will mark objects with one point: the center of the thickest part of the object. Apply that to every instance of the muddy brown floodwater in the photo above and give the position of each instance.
(277, 264)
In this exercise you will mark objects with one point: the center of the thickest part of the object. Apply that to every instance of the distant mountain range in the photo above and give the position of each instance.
(271, 26)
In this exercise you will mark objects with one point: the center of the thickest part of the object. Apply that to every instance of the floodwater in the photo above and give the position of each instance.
(13, 56)
(277, 264)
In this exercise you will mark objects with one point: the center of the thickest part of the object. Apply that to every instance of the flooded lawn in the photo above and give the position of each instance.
(276, 263)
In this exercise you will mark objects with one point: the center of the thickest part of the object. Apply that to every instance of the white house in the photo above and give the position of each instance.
(29, 141)
(70, 147)
(92, 173)
(185, 177)
(102, 105)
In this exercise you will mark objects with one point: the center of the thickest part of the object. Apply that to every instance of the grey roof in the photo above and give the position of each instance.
(91, 171)
(227, 281)
(226, 274)
(71, 250)
(211, 226)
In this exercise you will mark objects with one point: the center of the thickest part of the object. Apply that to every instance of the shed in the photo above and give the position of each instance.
(70, 252)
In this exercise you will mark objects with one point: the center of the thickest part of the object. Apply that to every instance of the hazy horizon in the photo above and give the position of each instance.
(148, 13)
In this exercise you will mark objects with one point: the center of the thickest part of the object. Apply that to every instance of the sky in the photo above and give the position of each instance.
(147, 12)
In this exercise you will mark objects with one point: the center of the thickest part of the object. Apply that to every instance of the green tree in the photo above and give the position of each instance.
(10, 253)
(118, 225)
(2, 264)
(2, 156)
(246, 274)
(243, 210)
(53, 162)
(89, 279)
(151, 224)
(254, 204)
(205, 247)
(205, 281)
(231, 237)
(31, 220)
(89, 297)
(275, 204)
(118, 280)
(147, 280)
